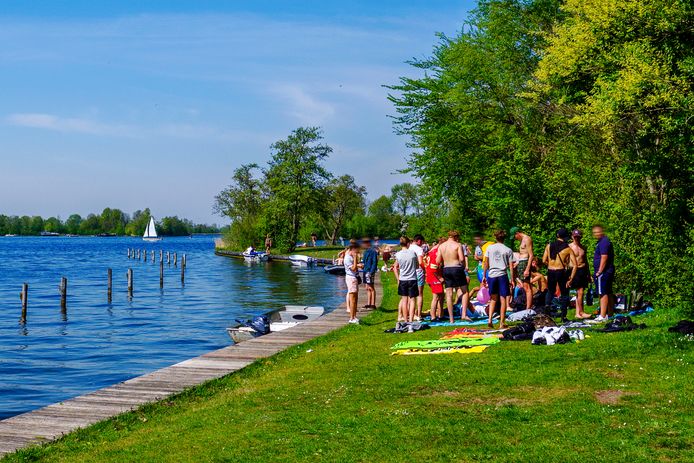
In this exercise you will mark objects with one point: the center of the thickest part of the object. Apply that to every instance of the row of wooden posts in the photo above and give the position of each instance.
(141, 254)
(62, 288)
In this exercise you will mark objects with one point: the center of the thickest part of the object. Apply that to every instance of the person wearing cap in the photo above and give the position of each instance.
(582, 279)
(561, 270)
(525, 257)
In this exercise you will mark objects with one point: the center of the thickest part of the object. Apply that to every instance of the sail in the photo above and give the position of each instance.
(151, 231)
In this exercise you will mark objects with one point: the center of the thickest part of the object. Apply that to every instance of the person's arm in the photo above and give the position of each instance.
(485, 265)
(462, 257)
(603, 264)
(396, 270)
(531, 256)
(574, 267)
(513, 271)
(545, 256)
(439, 258)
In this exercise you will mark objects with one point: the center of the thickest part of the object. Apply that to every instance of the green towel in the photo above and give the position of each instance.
(442, 343)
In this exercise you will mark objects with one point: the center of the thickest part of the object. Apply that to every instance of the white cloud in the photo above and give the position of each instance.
(305, 108)
(66, 124)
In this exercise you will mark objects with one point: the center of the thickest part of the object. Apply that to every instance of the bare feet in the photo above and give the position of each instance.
(502, 327)
(452, 320)
(466, 319)
(490, 325)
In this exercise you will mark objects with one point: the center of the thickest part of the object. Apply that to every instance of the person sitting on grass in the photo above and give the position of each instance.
(497, 265)
(405, 269)
(539, 283)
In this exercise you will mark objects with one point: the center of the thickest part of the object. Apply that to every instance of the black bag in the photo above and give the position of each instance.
(521, 332)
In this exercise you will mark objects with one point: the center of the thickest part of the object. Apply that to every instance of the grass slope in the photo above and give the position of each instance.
(612, 397)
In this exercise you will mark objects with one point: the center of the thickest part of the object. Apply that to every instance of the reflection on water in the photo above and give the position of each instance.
(93, 344)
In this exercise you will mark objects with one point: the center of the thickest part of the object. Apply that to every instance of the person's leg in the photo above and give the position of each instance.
(353, 306)
(604, 305)
(449, 303)
(433, 312)
(502, 319)
(579, 303)
(420, 302)
(551, 287)
(372, 294)
(464, 302)
(411, 303)
(494, 298)
(528, 288)
(564, 298)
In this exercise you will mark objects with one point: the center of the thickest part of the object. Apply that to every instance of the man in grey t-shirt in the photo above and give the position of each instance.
(497, 265)
(405, 268)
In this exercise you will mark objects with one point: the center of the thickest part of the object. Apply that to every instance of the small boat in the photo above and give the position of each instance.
(151, 231)
(45, 233)
(278, 320)
(335, 269)
(10, 235)
(251, 255)
(301, 260)
(106, 235)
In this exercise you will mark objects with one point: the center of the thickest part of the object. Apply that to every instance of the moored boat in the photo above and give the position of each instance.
(277, 320)
(335, 269)
(251, 255)
(301, 260)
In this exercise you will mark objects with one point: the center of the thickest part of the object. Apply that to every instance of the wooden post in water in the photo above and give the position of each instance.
(138, 254)
(183, 269)
(168, 258)
(24, 296)
(128, 253)
(161, 255)
(175, 259)
(63, 294)
(130, 282)
(154, 260)
(109, 285)
(145, 253)
(161, 274)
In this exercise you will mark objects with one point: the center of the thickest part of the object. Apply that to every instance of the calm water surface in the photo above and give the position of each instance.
(54, 357)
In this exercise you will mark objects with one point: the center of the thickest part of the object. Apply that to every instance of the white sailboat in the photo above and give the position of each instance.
(151, 231)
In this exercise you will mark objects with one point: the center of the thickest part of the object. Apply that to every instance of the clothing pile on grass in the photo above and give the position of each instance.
(459, 341)
(541, 329)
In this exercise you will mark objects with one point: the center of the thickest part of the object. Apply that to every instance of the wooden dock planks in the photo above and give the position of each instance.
(53, 421)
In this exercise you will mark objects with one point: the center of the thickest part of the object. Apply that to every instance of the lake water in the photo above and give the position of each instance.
(54, 357)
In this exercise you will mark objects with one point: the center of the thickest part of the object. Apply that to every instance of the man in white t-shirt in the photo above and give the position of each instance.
(417, 246)
(497, 265)
(405, 269)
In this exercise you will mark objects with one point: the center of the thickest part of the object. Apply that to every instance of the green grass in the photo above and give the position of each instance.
(349, 400)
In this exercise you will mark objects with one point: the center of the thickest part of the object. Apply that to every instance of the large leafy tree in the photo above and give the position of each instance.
(242, 202)
(343, 199)
(294, 181)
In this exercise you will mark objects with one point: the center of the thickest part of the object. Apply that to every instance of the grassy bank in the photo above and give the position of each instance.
(612, 397)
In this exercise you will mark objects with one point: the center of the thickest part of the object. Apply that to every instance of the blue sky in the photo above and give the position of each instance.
(153, 104)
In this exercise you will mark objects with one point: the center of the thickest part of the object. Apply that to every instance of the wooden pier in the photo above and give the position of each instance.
(52, 422)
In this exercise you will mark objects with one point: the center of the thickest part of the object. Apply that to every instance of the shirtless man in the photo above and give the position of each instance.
(451, 256)
(582, 278)
(559, 258)
(525, 257)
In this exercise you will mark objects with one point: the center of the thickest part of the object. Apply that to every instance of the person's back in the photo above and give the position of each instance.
(408, 263)
(349, 264)
(370, 260)
(499, 256)
(451, 253)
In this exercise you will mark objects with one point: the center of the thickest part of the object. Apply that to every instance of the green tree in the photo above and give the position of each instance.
(138, 223)
(343, 199)
(294, 180)
(72, 224)
(241, 202)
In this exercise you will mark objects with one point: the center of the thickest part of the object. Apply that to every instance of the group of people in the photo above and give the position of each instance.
(502, 272)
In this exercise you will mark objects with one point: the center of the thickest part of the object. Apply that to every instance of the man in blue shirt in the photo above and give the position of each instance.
(370, 261)
(603, 263)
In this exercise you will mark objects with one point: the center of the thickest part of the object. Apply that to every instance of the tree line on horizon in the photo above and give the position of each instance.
(565, 113)
(110, 221)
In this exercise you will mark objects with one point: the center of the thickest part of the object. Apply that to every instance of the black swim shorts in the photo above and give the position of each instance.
(454, 277)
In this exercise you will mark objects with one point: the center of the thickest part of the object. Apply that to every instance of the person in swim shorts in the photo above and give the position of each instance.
(581, 280)
(497, 267)
(405, 269)
(417, 246)
(451, 257)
